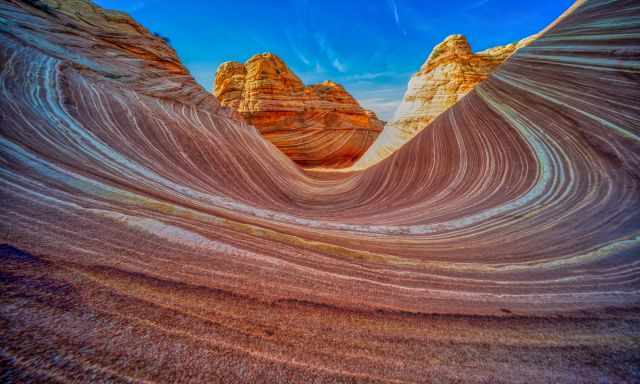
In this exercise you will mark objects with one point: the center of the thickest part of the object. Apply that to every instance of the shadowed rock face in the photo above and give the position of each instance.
(152, 236)
(451, 71)
(319, 125)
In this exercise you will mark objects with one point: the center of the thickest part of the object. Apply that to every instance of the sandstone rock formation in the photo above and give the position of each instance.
(147, 236)
(450, 72)
(319, 125)
(115, 47)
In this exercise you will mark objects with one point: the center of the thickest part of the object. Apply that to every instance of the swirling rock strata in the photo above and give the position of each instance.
(146, 235)
(451, 71)
(319, 125)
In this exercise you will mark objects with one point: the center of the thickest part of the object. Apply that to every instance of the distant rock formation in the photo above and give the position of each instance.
(450, 72)
(319, 125)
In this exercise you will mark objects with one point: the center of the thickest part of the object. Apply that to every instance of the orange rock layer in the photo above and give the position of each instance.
(319, 125)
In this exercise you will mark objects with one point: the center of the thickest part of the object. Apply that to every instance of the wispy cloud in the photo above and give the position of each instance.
(394, 8)
(376, 75)
(396, 15)
(383, 108)
(294, 48)
(332, 56)
(338, 65)
(366, 76)
(302, 57)
(477, 4)
(383, 101)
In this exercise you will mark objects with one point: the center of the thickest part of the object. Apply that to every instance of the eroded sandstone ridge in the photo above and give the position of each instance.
(319, 125)
(107, 44)
(148, 236)
(450, 72)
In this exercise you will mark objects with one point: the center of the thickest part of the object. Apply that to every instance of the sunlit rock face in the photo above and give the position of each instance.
(450, 72)
(320, 125)
(109, 44)
(147, 235)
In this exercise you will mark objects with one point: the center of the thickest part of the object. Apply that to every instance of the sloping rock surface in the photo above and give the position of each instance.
(149, 236)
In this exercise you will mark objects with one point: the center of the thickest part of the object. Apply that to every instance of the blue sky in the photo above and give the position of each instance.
(372, 47)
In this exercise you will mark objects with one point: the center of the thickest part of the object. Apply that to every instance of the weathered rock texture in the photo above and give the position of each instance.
(147, 237)
(319, 125)
(450, 72)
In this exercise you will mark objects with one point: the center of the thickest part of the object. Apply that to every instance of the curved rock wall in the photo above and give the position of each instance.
(146, 235)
